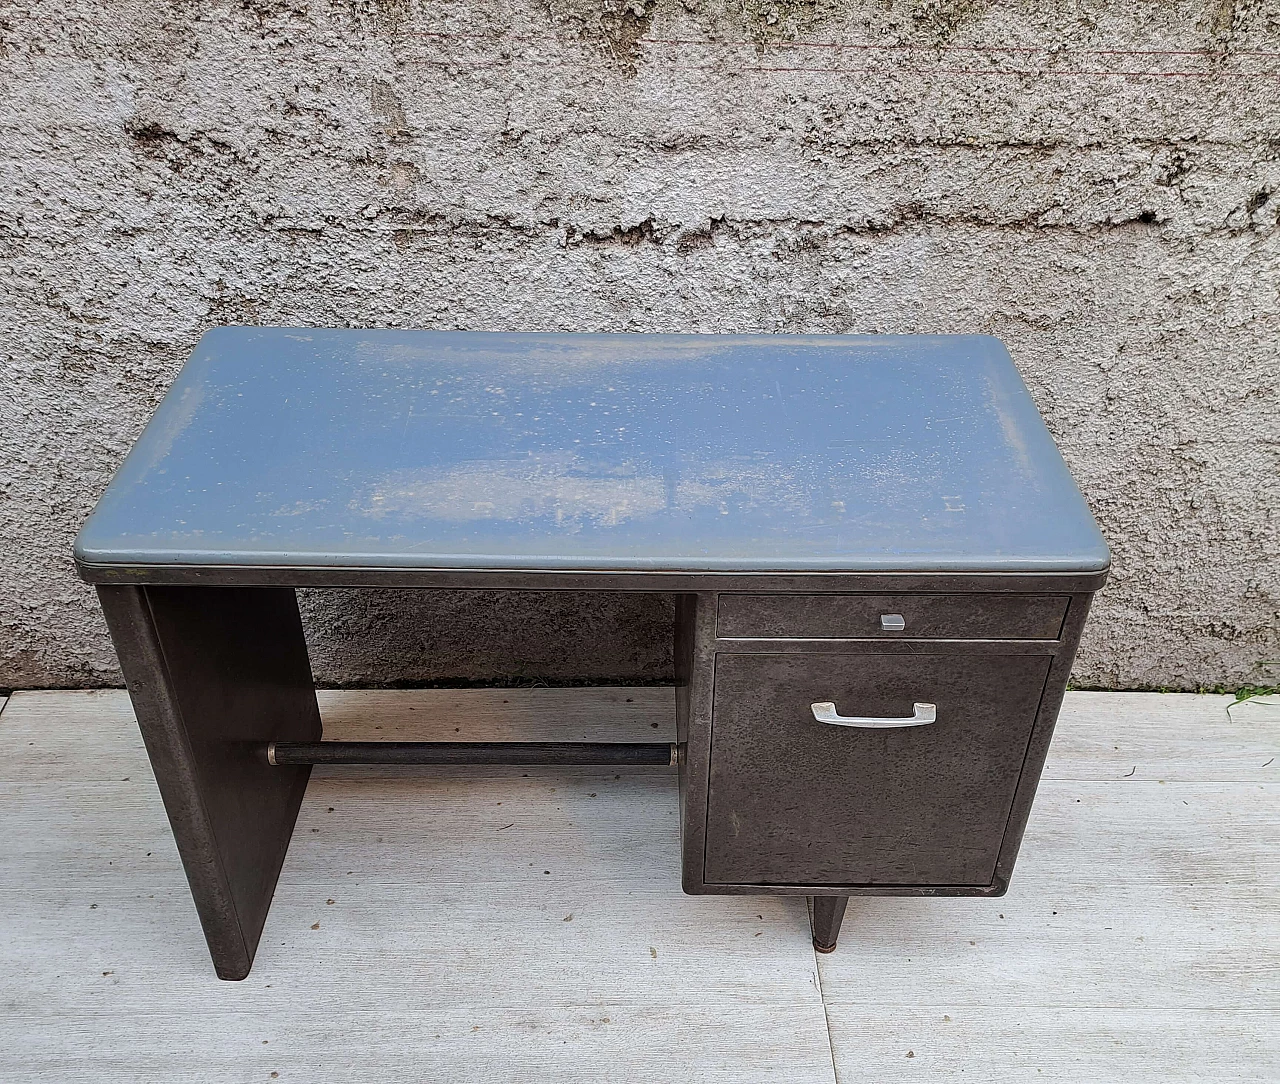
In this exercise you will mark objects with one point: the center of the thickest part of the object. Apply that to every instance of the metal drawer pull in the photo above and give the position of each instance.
(826, 713)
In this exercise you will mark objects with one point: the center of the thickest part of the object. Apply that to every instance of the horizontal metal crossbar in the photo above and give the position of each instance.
(466, 752)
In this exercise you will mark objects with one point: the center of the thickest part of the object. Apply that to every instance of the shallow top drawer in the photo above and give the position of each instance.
(946, 617)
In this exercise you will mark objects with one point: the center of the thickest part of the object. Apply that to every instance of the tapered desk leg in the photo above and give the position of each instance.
(214, 673)
(828, 913)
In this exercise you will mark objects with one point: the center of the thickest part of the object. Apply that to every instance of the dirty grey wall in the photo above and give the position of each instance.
(1095, 182)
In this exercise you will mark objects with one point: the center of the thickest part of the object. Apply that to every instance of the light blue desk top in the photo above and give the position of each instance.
(303, 448)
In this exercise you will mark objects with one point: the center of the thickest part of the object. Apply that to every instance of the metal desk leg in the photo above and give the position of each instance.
(214, 673)
(828, 913)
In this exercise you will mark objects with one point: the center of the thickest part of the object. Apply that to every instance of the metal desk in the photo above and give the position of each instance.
(881, 563)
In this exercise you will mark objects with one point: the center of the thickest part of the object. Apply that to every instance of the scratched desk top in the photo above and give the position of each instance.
(304, 448)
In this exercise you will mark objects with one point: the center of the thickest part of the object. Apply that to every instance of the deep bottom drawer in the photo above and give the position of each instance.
(797, 801)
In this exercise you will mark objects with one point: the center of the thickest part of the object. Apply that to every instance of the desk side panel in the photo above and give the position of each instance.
(215, 674)
(1042, 734)
(695, 673)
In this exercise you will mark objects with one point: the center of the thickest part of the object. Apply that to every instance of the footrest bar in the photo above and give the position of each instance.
(466, 752)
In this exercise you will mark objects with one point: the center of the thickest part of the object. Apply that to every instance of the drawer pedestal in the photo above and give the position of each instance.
(776, 801)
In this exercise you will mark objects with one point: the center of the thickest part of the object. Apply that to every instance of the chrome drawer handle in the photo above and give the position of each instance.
(826, 713)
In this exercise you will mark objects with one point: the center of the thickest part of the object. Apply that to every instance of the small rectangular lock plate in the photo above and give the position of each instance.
(892, 622)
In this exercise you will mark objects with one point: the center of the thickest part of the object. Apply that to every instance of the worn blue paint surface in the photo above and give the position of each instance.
(403, 449)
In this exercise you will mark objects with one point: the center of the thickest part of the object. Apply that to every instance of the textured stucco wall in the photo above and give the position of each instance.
(1095, 182)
